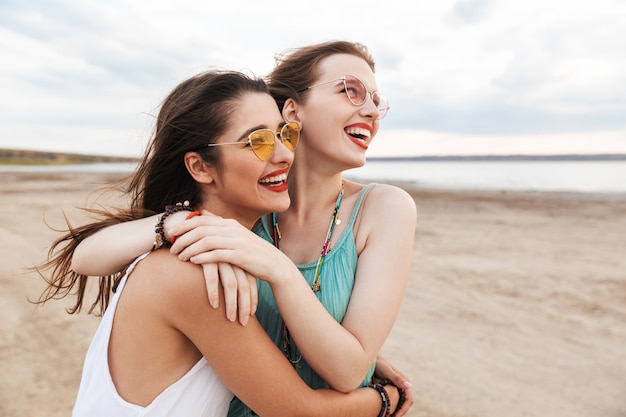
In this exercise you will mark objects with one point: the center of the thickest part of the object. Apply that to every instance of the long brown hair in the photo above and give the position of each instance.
(296, 69)
(194, 114)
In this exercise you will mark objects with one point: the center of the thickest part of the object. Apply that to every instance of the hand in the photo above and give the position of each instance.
(393, 393)
(385, 370)
(240, 292)
(171, 221)
(213, 239)
(239, 287)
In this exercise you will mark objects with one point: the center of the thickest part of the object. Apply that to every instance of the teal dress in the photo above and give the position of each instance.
(337, 281)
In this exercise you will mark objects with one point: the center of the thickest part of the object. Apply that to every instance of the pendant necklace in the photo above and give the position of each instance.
(316, 286)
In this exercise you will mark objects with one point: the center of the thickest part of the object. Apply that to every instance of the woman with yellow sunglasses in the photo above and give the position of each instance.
(161, 349)
(333, 333)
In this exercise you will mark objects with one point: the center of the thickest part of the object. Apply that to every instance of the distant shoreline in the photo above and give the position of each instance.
(457, 158)
(30, 157)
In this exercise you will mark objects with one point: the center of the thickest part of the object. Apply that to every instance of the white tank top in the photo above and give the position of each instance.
(198, 393)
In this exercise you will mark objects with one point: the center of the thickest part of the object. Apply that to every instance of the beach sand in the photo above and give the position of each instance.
(516, 304)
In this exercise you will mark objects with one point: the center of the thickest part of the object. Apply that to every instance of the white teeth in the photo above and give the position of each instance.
(358, 131)
(276, 178)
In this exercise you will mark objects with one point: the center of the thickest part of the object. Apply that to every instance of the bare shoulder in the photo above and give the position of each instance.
(163, 273)
(391, 199)
(387, 218)
(386, 210)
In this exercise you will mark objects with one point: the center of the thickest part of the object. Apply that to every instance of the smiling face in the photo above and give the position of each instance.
(334, 129)
(244, 187)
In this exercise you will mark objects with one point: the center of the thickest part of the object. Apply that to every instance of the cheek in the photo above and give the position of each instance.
(375, 131)
(243, 171)
(317, 112)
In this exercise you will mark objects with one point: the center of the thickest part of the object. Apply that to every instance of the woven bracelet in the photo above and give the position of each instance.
(159, 234)
(401, 394)
(385, 409)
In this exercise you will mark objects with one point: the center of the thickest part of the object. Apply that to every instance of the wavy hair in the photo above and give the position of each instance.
(296, 69)
(195, 113)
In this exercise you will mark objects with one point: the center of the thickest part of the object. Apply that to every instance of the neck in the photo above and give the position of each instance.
(311, 191)
(311, 198)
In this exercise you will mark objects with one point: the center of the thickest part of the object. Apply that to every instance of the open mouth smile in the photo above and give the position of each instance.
(359, 135)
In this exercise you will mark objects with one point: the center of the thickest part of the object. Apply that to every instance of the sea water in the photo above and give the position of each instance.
(562, 176)
(567, 176)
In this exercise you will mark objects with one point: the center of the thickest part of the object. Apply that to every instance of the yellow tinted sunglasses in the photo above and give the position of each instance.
(262, 141)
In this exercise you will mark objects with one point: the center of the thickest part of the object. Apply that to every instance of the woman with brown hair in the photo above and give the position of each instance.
(220, 144)
(333, 333)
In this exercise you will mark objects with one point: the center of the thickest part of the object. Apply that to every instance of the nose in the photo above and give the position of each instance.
(368, 108)
(281, 152)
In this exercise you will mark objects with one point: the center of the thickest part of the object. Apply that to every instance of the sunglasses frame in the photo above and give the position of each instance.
(383, 111)
(275, 134)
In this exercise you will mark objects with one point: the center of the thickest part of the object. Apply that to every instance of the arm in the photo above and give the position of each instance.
(385, 243)
(125, 241)
(385, 239)
(247, 361)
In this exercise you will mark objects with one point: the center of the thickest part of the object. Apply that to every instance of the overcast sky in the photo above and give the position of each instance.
(463, 77)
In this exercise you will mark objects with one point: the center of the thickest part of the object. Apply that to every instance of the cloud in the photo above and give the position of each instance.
(517, 67)
(469, 11)
(90, 69)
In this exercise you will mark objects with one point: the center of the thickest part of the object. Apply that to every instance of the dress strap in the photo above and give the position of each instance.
(358, 204)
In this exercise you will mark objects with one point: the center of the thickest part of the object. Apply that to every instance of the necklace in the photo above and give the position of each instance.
(316, 286)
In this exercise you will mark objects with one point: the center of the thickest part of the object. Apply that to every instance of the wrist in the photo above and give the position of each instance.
(281, 277)
(160, 240)
(385, 409)
(396, 396)
(173, 220)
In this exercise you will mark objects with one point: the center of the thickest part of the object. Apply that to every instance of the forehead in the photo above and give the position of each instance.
(255, 109)
(338, 65)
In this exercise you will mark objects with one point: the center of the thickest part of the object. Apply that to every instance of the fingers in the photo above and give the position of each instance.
(179, 225)
(400, 379)
(254, 294)
(206, 234)
(195, 242)
(240, 292)
(239, 287)
(211, 279)
(385, 370)
(408, 402)
(244, 295)
(173, 221)
(228, 280)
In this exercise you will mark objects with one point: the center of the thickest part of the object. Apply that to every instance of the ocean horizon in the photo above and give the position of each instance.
(460, 173)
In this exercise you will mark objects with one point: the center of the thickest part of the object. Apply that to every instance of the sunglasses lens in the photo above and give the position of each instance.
(355, 89)
(357, 93)
(262, 143)
(381, 103)
(290, 134)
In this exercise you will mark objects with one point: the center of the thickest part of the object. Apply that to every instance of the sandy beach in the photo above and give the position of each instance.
(516, 304)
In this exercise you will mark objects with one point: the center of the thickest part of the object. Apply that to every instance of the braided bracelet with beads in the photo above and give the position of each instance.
(401, 394)
(159, 237)
(385, 410)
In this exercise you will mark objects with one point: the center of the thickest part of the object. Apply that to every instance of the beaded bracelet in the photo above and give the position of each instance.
(385, 409)
(159, 237)
(401, 394)
(189, 216)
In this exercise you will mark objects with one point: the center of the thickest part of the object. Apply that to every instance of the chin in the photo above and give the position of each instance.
(358, 162)
(282, 206)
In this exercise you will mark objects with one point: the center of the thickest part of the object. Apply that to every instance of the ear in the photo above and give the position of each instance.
(290, 111)
(198, 169)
